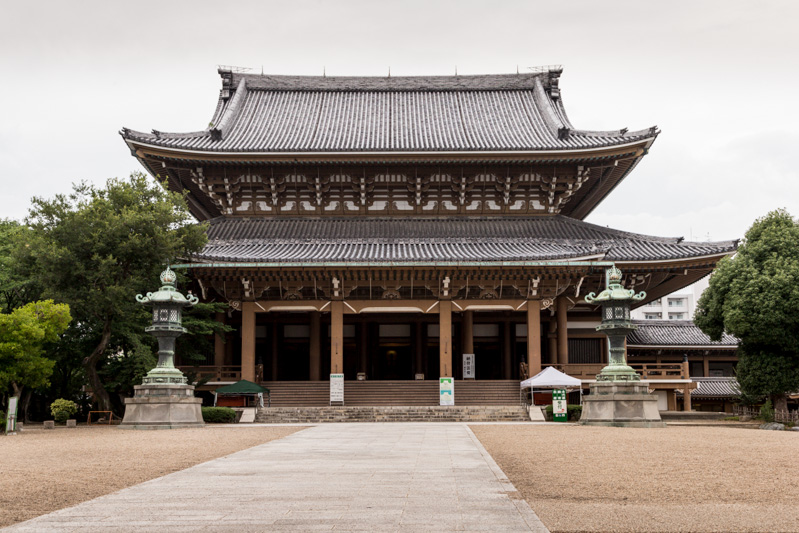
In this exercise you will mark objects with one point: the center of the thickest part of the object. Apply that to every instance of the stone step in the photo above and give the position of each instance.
(276, 415)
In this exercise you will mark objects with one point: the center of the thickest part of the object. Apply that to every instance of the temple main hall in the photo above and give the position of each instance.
(382, 228)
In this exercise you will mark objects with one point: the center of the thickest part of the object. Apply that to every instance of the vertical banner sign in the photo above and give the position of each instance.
(468, 366)
(446, 391)
(559, 405)
(11, 417)
(336, 389)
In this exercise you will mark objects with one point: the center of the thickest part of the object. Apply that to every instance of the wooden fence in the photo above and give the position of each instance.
(784, 417)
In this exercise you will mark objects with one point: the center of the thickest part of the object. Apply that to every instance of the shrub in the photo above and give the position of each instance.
(2, 420)
(218, 415)
(62, 409)
(767, 411)
(573, 412)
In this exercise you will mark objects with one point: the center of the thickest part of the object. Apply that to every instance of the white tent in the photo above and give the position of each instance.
(551, 378)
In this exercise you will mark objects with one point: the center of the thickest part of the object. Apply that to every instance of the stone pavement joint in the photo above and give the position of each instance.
(333, 477)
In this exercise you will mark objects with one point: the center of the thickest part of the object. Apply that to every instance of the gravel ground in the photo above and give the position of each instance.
(681, 478)
(42, 471)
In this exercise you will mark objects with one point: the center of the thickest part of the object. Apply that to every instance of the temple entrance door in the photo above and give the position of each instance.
(488, 358)
(393, 360)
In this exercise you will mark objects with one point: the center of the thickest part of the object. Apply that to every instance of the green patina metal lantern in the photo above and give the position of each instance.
(616, 324)
(168, 304)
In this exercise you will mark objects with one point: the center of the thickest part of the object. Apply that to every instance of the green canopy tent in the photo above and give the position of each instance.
(243, 388)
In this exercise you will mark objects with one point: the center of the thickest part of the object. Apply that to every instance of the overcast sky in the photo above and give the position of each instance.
(719, 78)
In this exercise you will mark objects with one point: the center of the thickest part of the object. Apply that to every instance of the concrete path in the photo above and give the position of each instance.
(333, 477)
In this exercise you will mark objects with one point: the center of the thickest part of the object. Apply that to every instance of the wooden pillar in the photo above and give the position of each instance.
(705, 366)
(507, 353)
(686, 392)
(337, 337)
(363, 349)
(275, 348)
(219, 343)
(418, 349)
(553, 341)
(563, 331)
(315, 359)
(248, 341)
(534, 336)
(468, 332)
(445, 339)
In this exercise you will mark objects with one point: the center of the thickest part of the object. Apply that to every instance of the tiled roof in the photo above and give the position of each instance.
(279, 114)
(715, 388)
(673, 333)
(455, 239)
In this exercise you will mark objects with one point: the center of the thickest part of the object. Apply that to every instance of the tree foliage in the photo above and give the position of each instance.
(755, 296)
(98, 247)
(23, 335)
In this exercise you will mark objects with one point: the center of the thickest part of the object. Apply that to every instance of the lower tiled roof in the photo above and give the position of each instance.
(453, 239)
(715, 388)
(674, 333)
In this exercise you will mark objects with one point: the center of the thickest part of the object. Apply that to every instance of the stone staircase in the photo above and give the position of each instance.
(456, 413)
(393, 393)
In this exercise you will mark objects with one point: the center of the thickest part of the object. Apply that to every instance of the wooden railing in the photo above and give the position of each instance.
(784, 417)
(647, 371)
(214, 373)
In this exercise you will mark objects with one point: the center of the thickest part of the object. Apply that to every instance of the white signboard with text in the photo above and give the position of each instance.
(446, 391)
(468, 366)
(11, 417)
(336, 389)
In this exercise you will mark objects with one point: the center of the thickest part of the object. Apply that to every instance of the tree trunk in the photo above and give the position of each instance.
(25, 402)
(780, 402)
(90, 365)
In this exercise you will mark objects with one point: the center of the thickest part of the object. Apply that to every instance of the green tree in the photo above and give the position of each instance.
(96, 248)
(23, 335)
(755, 296)
(14, 289)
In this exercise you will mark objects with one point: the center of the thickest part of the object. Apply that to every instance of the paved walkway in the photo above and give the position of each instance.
(339, 477)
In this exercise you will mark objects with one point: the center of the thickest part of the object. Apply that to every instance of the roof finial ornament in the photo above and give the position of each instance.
(456, 70)
(324, 71)
(389, 71)
(517, 69)
(262, 70)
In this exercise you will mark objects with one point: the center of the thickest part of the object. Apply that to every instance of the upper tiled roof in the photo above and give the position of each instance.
(674, 333)
(455, 239)
(285, 114)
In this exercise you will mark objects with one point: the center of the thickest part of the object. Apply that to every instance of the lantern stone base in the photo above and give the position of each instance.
(163, 406)
(620, 404)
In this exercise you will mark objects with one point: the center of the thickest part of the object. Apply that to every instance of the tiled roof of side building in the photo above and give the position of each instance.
(715, 388)
(458, 239)
(674, 333)
(287, 114)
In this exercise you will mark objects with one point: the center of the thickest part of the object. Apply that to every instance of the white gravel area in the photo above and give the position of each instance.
(681, 478)
(45, 470)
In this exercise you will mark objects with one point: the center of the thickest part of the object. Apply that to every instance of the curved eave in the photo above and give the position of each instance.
(635, 149)
(727, 347)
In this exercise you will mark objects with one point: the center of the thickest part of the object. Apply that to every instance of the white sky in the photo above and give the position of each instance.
(719, 78)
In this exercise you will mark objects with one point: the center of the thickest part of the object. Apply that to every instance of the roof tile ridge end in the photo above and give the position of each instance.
(219, 131)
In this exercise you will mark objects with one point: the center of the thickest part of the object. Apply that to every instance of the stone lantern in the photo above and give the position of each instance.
(618, 398)
(164, 400)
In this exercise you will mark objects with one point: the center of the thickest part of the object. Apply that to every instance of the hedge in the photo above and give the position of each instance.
(218, 415)
(573, 412)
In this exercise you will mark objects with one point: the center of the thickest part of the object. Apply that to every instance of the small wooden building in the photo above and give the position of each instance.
(709, 364)
(383, 227)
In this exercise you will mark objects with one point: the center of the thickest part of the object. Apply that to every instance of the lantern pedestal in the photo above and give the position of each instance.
(621, 404)
(163, 406)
